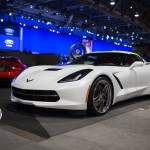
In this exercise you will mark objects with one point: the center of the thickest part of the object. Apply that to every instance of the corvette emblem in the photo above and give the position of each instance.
(29, 80)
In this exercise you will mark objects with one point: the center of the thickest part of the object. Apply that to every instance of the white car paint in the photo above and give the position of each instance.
(135, 82)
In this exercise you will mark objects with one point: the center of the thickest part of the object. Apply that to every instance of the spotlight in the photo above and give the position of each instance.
(107, 37)
(69, 33)
(10, 14)
(2, 20)
(97, 34)
(136, 15)
(31, 6)
(85, 21)
(24, 25)
(112, 2)
(105, 27)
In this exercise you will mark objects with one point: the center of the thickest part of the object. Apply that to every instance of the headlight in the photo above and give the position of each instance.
(75, 76)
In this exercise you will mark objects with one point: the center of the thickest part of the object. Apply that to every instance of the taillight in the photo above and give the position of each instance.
(16, 68)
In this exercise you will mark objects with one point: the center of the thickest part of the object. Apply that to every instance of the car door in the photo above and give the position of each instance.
(126, 78)
(142, 73)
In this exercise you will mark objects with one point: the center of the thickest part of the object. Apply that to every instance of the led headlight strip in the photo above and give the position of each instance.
(75, 76)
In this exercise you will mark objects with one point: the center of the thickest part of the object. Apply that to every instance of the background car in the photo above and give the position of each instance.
(10, 67)
(92, 82)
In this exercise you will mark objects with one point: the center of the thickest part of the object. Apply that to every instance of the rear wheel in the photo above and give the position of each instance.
(100, 97)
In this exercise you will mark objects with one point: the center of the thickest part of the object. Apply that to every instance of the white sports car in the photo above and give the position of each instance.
(92, 82)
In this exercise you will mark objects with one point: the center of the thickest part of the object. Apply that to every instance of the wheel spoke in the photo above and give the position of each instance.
(102, 105)
(97, 100)
(105, 90)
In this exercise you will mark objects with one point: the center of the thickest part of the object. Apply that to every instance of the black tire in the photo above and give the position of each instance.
(71, 48)
(100, 97)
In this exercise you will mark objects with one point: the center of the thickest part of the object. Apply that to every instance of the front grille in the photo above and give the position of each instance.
(5, 68)
(36, 95)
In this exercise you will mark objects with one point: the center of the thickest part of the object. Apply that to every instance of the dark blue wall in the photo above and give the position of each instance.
(48, 42)
(102, 46)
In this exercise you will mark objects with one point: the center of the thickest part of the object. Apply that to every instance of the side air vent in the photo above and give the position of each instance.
(52, 69)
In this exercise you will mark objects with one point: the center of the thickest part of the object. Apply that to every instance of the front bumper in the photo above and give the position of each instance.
(72, 96)
(61, 104)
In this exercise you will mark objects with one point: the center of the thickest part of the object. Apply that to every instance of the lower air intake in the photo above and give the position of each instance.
(36, 95)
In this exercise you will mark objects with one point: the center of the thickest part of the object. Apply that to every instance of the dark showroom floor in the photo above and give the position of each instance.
(126, 126)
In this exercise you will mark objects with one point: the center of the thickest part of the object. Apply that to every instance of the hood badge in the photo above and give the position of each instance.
(28, 80)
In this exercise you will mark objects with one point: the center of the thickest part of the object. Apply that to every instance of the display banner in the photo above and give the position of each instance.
(9, 36)
(88, 44)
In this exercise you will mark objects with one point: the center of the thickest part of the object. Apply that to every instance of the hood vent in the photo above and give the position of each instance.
(52, 69)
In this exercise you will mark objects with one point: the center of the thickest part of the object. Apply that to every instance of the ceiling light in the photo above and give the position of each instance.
(31, 6)
(136, 15)
(10, 14)
(112, 2)
(107, 37)
(104, 27)
(85, 21)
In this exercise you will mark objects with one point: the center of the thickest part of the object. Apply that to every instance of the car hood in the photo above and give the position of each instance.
(46, 73)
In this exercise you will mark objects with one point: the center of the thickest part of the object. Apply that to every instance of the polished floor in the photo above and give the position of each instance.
(39, 124)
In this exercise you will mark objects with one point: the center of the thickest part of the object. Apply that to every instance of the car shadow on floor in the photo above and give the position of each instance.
(46, 122)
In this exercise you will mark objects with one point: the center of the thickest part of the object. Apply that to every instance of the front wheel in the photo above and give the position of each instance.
(100, 97)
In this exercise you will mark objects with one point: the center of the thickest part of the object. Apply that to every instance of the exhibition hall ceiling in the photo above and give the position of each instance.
(124, 20)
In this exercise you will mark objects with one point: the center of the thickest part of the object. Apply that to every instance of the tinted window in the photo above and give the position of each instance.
(101, 59)
(131, 58)
(10, 60)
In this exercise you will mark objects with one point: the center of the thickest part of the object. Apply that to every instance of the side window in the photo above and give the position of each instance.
(130, 59)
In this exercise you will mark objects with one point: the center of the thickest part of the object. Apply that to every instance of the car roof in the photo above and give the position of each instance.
(124, 52)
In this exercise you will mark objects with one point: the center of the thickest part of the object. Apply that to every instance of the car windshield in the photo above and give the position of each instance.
(101, 59)
(4, 59)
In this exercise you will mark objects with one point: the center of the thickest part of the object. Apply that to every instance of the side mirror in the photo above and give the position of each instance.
(136, 64)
